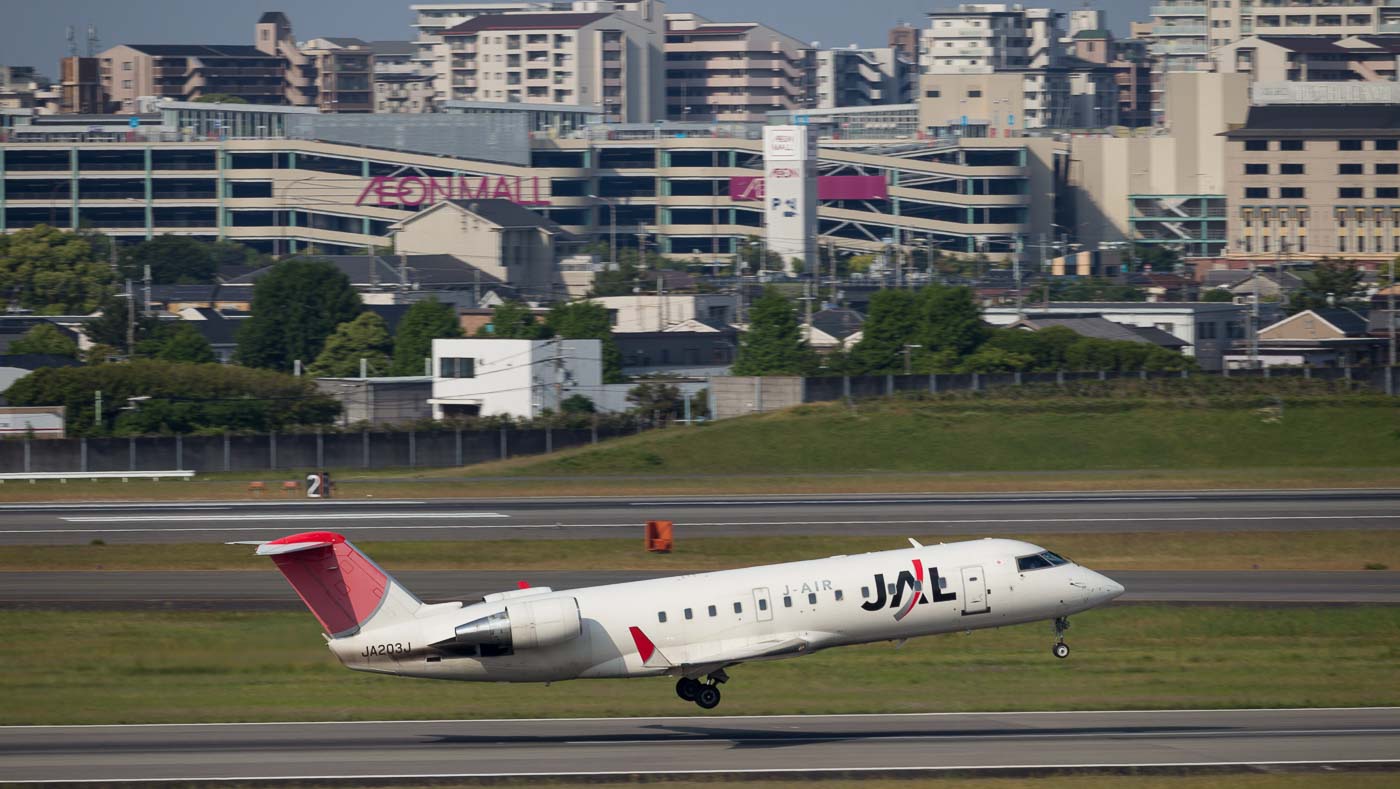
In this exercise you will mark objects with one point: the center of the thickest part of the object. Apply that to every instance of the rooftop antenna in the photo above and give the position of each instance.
(92, 41)
(72, 42)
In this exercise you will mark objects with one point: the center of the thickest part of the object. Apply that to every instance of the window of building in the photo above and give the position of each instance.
(1302, 243)
(1256, 169)
(1290, 145)
(933, 94)
(1351, 193)
(1206, 331)
(1388, 145)
(1387, 193)
(1341, 243)
(1351, 145)
(1256, 193)
(457, 368)
(1292, 169)
(127, 65)
(1292, 193)
(1351, 168)
(1388, 169)
(1256, 145)
(126, 83)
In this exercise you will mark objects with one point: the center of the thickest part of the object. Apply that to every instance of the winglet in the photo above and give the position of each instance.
(915, 543)
(651, 656)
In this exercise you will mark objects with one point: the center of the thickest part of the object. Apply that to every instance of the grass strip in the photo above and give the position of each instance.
(1100, 779)
(147, 667)
(1285, 550)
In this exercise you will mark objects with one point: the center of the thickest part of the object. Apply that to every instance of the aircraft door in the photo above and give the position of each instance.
(974, 591)
(763, 605)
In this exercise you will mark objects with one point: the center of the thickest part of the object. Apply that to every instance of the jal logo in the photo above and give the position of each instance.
(906, 581)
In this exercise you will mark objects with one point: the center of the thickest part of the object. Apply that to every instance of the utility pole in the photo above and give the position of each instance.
(1016, 275)
(130, 320)
(909, 359)
(97, 409)
(1390, 309)
(835, 274)
(1254, 317)
(146, 305)
(807, 297)
(559, 375)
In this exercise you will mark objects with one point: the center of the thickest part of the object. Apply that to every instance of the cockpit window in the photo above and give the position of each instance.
(1040, 561)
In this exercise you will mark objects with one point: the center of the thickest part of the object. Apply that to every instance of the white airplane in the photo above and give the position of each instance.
(687, 627)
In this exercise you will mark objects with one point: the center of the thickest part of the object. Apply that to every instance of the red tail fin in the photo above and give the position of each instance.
(343, 588)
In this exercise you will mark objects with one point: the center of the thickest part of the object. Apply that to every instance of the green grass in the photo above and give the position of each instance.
(1369, 779)
(123, 667)
(913, 436)
(1333, 550)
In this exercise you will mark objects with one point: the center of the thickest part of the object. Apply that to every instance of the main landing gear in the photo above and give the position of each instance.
(704, 694)
(1060, 649)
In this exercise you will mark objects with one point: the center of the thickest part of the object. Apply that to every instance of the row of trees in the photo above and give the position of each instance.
(938, 329)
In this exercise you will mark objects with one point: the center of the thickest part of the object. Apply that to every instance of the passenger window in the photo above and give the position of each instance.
(840, 595)
(661, 616)
(713, 611)
(689, 614)
(787, 601)
(812, 598)
(762, 605)
(865, 591)
(891, 588)
(738, 608)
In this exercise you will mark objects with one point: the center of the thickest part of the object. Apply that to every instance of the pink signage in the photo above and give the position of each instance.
(416, 191)
(749, 188)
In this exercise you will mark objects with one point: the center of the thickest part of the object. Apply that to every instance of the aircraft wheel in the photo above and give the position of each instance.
(707, 697)
(687, 688)
(1060, 650)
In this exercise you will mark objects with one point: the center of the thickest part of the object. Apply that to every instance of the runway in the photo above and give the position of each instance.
(474, 519)
(877, 743)
(258, 590)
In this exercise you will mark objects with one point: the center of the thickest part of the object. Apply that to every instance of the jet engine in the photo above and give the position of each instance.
(528, 624)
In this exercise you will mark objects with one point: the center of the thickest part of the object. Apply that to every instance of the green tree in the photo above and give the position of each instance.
(174, 260)
(178, 398)
(657, 400)
(413, 340)
(366, 337)
(113, 322)
(1217, 295)
(1095, 290)
(184, 343)
(296, 306)
(950, 321)
(589, 320)
(51, 272)
(45, 338)
(994, 360)
(231, 255)
(774, 345)
(513, 320)
(578, 404)
(1330, 283)
(891, 324)
(221, 98)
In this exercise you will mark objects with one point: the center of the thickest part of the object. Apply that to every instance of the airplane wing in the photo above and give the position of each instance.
(701, 661)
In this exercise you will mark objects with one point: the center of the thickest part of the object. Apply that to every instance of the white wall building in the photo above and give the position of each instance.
(666, 312)
(517, 378)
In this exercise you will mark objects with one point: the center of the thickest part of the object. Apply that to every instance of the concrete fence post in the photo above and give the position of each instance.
(457, 455)
(594, 431)
(82, 454)
(1142, 374)
(27, 468)
(889, 385)
(272, 450)
(1059, 377)
(1390, 381)
(412, 449)
(1225, 371)
(320, 450)
(549, 440)
(846, 387)
(505, 450)
(131, 454)
(228, 455)
(1103, 375)
(364, 448)
(1267, 373)
(179, 452)
(976, 382)
(1185, 373)
(1347, 370)
(1307, 371)
(758, 394)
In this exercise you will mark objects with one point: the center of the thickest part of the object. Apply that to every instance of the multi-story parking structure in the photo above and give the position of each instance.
(688, 190)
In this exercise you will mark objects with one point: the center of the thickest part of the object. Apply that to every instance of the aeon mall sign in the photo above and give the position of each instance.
(415, 191)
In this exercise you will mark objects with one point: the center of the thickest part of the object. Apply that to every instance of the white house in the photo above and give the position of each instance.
(670, 312)
(518, 378)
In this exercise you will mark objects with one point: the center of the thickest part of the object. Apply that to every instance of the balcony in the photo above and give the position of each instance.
(1179, 30)
(1193, 9)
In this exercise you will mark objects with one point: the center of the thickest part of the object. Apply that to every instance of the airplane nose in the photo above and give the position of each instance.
(1109, 588)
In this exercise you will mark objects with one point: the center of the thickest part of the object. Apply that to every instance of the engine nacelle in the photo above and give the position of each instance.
(527, 624)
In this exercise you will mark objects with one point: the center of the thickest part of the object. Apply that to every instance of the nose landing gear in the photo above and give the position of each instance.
(704, 694)
(1060, 649)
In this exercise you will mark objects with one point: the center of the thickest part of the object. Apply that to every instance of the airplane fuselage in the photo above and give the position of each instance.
(669, 626)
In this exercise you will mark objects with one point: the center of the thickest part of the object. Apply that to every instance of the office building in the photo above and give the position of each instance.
(732, 71)
(1311, 58)
(343, 70)
(863, 77)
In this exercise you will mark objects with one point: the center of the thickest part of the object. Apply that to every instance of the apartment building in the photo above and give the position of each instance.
(432, 20)
(905, 38)
(611, 59)
(1188, 30)
(1311, 180)
(1131, 77)
(401, 84)
(342, 70)
(863, 77)
(732, 71)
(21, 87)
(1312, 58)
(80, 86)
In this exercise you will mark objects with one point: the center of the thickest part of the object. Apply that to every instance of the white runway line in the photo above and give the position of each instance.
(328, 516)
(196, 505)
(940, 500)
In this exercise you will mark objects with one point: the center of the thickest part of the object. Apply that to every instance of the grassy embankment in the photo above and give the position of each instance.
(127, 667)
(1167, 435)
(1339, 550)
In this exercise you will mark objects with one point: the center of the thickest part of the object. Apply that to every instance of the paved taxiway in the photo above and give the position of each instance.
(252, 590)
(700, 744)
(921, 515)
